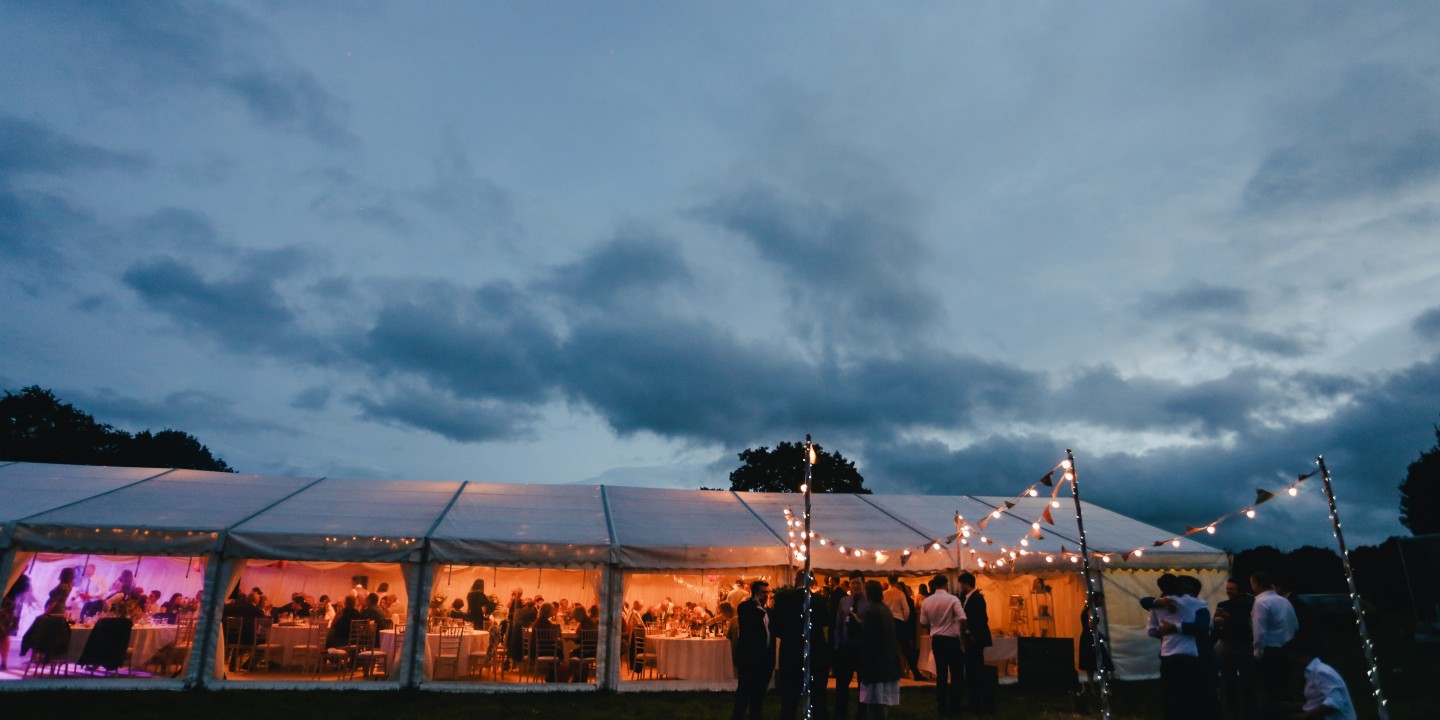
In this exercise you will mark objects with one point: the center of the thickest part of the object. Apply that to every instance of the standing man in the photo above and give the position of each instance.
(945, 616)
(977, 638)
(1272, 624)
(755, 660)
(899, 608)
(737, 596)
(1235, 647)
(847, 644)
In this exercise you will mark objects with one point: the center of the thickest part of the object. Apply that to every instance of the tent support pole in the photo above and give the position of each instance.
(1367, 646)
(1094, 591)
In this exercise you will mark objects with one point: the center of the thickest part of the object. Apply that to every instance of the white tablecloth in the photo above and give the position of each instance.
(1003, 650)
(471, 641)
(692, 658)
(145, 641)
(289, 636)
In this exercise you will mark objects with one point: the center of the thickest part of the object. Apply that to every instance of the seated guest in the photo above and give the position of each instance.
(175, 605)
(372, 612)
(457, 610)
(339, 635)
(585, 623)
(297, 607)
(545, 620)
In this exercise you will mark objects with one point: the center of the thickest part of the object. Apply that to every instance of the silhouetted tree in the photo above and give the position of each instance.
(1420, 492)
(35, 426)
(783, 469)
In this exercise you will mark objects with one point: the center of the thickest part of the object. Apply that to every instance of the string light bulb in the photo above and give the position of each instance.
(1250, 513)
(1293, 491)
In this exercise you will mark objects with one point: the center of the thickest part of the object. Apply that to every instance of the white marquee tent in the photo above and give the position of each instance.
(227, 523)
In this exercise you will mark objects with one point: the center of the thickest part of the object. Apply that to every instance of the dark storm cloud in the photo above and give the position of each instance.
(189, 411)
(180, 229)
(457, 419)
(1197, 298)
(1384, 422)
(1377, 132)
(486, 343)
(1427, 324)
(635, 264)
(195, 46)
(313, 399)
(245, 313)
(1266, 342)
(34, 223)
(851, 260)
(28, 148)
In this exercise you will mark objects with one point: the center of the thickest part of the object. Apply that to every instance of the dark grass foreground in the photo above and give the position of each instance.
(1134, 701)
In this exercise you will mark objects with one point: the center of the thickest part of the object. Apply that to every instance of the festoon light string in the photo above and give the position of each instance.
(1262, 496)
(805, 578)
(1374, 671)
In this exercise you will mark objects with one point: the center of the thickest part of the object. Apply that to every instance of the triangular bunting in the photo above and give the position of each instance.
(1306, 476)
(1262, 495)
(1049, 479)
(1191, 530)
(1127, 555)
(1046, 516)
(1009, 504)
(1159, 543)
(983, 521)
(904, 558)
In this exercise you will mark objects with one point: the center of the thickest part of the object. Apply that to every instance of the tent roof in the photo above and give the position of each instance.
(546, 524)
(77, 508)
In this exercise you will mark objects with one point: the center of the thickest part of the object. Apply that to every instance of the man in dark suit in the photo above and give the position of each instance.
(755, 653)
(977, 638)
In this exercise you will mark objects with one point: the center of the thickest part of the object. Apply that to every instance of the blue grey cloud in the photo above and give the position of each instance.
(195, 47)
(245, 313)
(636, 265)
(1196, 298)
(1427, 324)
(460, 420)
(1377, 132)
(852, 260)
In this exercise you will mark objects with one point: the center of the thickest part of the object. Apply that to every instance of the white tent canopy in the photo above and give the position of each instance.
(140, 511)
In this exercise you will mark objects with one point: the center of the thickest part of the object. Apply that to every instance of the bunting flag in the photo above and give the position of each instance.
(1035, 533)
(1049, 479)
(1009, 504)
(1047, 516)
(1261, 496)
(983, 522)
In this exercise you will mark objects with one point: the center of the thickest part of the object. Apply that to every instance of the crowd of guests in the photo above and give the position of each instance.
(865, 631)
(1258, 656)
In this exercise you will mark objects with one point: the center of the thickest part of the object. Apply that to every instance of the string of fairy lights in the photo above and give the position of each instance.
(970, 535)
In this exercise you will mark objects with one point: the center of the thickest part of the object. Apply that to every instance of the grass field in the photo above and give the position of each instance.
(1409, 669)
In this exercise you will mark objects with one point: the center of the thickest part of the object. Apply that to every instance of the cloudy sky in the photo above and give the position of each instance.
(1198, 243)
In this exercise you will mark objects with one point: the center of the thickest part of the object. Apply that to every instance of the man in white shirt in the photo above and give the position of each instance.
(738, 595)
(1326, 696)
(1179, 619)
(1273, 624)
(944, 614)
(846, 637)
(900, 610)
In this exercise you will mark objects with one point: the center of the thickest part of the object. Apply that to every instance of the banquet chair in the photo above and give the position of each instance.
(48, 642)
(374, 660)
(177, 653)
(362, 639)
(545, 651)
(306, 655)
(448, 653)
(108, 646)
(479, 655)
(643, 658)
(499, 657)
(261, 649)
(589, 641)
(232, 641)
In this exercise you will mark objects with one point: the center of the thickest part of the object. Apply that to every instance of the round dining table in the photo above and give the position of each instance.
(687, 658)
(470, 641)
(145, 641)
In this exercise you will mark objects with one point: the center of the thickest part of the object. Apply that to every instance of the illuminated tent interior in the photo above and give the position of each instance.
(189, 530)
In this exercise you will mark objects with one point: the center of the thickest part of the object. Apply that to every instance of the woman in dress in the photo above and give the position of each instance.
(16, 599)
(879, 668)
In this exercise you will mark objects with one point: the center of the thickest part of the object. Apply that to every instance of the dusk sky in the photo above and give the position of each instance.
(618, 242)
